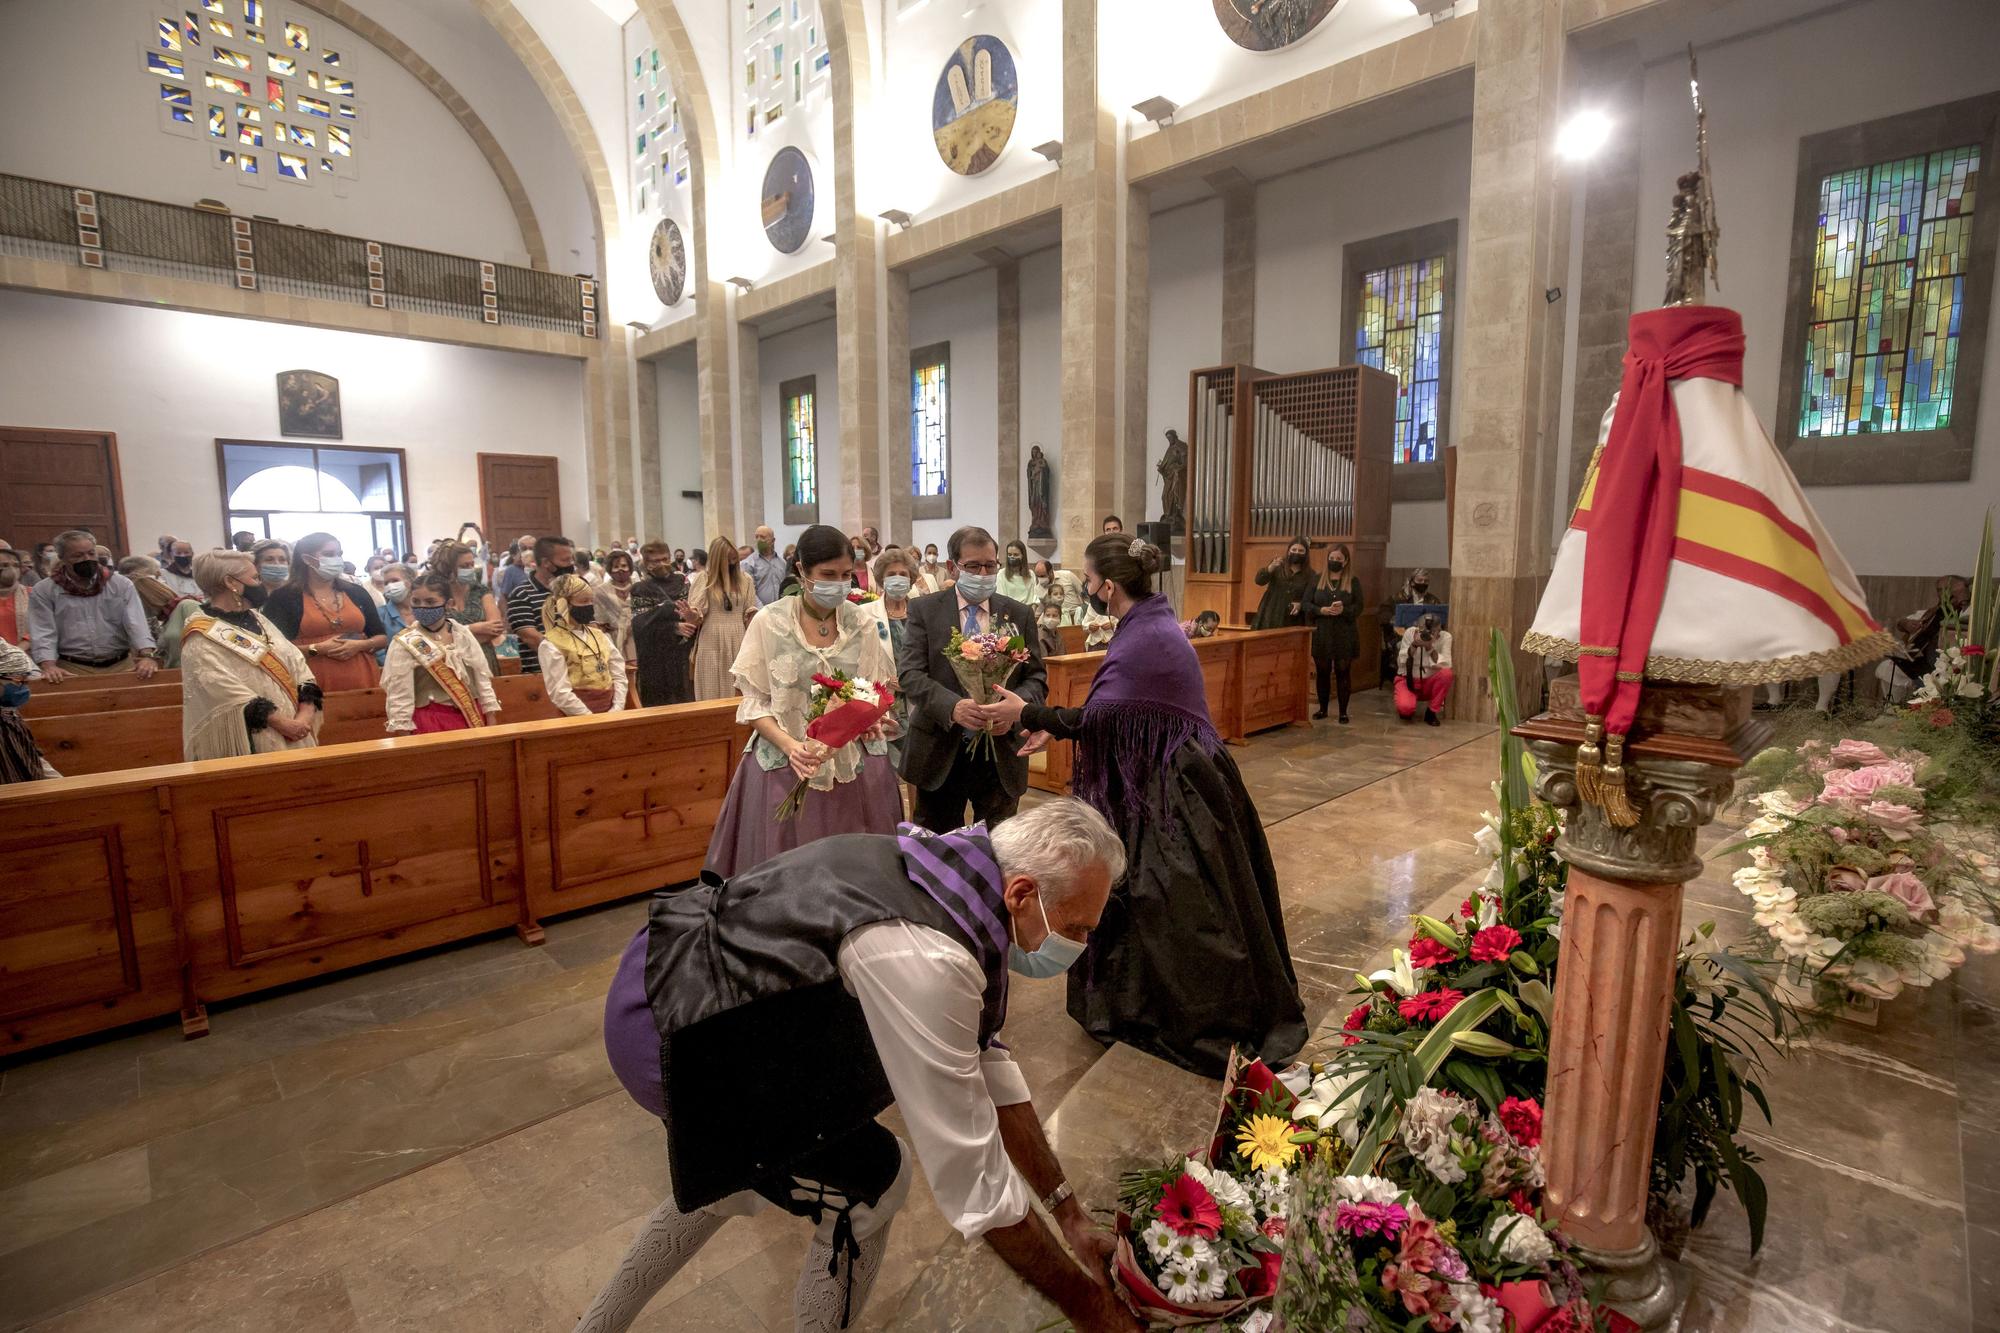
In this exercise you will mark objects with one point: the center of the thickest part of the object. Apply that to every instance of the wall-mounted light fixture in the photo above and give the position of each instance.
(897, 216)
(1436, 10)
(830, 238)
(1052, 150)
(740, 284)
(1156, 109)
(1583, 134)
(639, 327)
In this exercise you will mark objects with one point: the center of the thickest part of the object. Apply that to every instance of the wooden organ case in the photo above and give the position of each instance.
(1273, 457)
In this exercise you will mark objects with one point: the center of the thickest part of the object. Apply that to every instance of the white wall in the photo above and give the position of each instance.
(1041, 373)
(1764, 95)
(804, 351)
(962, 313)
(181, 381)
(680, 446)
(1305, 221)
(85, 112)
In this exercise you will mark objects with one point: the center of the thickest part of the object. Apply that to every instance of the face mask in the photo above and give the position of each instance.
(621, 577)
(396, 591)
(430, 617)
(896, 587)
(274, 573)
(332, 566)
(1052, 959)
(930, 557)
(1051, 621)
(1096, 600)
(85, 571)
(470, 574)
(181, 564)
(8, 575)
(1421, 587)
(860, 553)
(565, 571)
(763, 548)
(583, 615)
(828, 595)
(1296, 558)
(976, 588)
(13, 694)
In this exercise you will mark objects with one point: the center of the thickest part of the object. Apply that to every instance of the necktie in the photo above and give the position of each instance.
(971, 620)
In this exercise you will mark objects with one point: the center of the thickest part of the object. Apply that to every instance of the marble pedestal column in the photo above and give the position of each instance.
(1615, 978)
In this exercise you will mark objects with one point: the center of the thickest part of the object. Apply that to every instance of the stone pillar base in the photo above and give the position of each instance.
(1642, 1284)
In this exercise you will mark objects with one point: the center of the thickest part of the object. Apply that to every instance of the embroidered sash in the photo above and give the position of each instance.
(252, 648)
(434, 659)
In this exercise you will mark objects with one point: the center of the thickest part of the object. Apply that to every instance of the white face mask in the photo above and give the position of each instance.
(1051, 958)
(396, 590)
(332, 566)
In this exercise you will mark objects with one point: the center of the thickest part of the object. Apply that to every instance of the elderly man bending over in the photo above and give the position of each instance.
(86, 620)
(768, 1021)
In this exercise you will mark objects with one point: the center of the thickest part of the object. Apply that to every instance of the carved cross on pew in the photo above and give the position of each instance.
(365, 866)
(644, 814)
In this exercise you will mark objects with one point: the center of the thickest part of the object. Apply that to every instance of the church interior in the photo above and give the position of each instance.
(1590, 389)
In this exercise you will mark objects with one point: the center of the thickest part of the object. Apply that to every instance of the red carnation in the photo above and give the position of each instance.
(1427, 952)
(1429, 1006)
(1942, 718)
(1973, 650)
(1493, 944)
(1190, 1209)
(1465, 909)
(1357, 1018)
(1523, 1118)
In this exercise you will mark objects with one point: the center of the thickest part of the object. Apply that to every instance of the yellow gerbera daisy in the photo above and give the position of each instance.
(1267, 1141)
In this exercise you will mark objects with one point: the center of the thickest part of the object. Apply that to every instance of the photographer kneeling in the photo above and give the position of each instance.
(1423, 670)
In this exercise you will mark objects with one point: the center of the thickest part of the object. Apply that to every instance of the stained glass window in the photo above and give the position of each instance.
(1888, 295)
(801, 425)
(1401, 330)
(930, 422)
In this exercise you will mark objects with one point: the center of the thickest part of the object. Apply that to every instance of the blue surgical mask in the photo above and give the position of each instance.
(1051, 959)
(470, 574)
(332, 566)
(274, 573)
(829, 595)
(13, 694)
(430, 617)
(396, 591)
(896, 587)
(976, 588)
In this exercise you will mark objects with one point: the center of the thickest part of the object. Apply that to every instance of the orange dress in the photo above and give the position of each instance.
(358, 672)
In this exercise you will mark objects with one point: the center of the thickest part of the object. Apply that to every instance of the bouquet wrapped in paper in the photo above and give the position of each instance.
(982, 663)
(843, 710)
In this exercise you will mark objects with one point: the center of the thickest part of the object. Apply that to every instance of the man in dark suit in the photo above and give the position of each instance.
(942, 719)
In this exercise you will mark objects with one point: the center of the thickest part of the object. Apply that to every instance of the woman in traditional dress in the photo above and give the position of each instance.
(721, 599)
(472, 603)
(582, 670)
(435, 678)
(854, 789)
(331, 618)
(245, 689)
(1285, 581)
(1017, 580)
(1189, 960)
(896, 577)
(1334, 607)
(614, 604)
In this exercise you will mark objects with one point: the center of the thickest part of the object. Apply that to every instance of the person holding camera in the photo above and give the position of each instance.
(1423, 670)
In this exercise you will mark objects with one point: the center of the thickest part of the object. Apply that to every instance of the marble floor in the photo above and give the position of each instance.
(438, 1143)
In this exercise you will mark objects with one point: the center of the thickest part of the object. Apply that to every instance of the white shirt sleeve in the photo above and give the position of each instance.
(555, 679)
(398, 689)
(752, 669)
(921, 993)
(481, 675)
(619, 683)
(1444, 650)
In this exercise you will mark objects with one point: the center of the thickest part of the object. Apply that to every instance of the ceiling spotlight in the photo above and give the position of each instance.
(1156, 109)
(740, 284)
(1583, 134)
(897, 216)
(1052, 150)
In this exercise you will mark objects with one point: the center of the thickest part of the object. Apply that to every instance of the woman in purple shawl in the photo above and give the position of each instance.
(1190, 957)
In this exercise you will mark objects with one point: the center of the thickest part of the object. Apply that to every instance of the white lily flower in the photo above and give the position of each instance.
(1402, 977)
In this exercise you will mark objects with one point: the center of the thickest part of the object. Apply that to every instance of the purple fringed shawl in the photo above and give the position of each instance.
(1148, 700)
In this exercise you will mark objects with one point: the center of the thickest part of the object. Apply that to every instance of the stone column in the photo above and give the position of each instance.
(608, 423)
(652, 506)
(894, 440)
(1615, 977)
(716, 388)
(1139, 495)
(1007, 320)
(1239, 266)
(1509, 343)
(744, 519)
(1615, 83)
(1092, 193)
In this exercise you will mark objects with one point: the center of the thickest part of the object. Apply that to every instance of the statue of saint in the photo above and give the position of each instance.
(1173, 483)
(1041, 487)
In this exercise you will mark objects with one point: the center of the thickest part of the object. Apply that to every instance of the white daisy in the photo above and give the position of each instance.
(1159, 1239)
(1210, 1280)
(1183, 1251)
(1178, 1282)
(1367, 1189)
(1474, 1311)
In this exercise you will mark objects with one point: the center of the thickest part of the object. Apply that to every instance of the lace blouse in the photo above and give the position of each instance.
(774, 672)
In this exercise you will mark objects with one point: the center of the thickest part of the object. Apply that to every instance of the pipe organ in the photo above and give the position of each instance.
(1273, 457)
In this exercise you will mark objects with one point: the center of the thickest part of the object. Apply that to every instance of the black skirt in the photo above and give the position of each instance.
(1190, 958)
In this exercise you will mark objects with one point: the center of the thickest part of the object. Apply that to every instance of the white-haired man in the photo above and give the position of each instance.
(769, 1020)
(86, 620)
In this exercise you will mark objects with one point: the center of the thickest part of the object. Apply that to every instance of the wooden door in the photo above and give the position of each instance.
(518, 493)
(53, 480)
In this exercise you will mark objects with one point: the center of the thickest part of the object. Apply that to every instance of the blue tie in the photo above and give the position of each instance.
(971, 620)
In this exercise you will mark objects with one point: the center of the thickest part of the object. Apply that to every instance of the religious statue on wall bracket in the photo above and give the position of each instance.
(1041, 491)
(1173, 469)
(666, 259)
(1268, 25)
(973, 108)
(308, 404)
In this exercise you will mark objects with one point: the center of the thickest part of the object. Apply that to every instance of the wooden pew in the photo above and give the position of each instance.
(121, 737)
(1254, 679)
(128, 895)
(59, 702)
(119, 681)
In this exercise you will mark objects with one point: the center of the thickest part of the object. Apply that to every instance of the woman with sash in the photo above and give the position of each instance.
(244, 688)
(472, 603)
(582, 668)
(1189, 960)
(435, 676)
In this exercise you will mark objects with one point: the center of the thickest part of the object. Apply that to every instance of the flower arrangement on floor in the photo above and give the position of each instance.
(982, 662)
(842, 710)
(1859, 888)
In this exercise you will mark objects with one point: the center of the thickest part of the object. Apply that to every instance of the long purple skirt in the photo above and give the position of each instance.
(747, 833)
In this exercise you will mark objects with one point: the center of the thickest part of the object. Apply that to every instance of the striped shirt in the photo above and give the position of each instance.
(524, 608)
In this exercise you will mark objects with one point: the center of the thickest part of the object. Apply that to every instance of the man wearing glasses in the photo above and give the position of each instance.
(937, 759)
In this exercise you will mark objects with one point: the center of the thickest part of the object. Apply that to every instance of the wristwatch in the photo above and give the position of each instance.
(1057, 1197)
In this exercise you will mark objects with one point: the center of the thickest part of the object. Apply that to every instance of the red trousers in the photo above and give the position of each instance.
(1430, 690)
